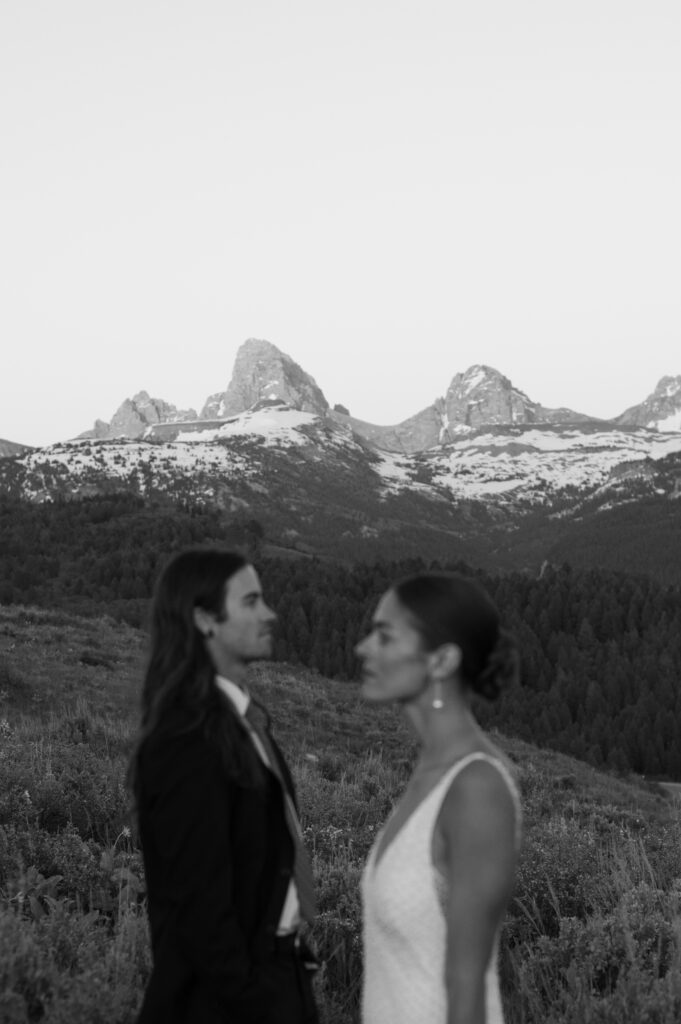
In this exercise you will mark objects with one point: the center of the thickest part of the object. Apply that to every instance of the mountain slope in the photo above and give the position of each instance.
(501, 497)
(11, 448)
(661, 410)
(505, 467)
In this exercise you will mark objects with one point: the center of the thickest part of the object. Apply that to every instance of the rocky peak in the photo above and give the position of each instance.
(479, 397)
(133, 417)
(483, 397)
(263, 372)
(661, 410)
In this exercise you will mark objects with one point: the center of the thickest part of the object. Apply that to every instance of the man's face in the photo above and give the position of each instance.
(245, 633)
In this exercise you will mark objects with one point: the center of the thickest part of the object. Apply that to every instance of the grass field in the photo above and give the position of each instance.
(593, 933)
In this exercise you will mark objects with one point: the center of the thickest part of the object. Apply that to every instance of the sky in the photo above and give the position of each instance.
(390, 191)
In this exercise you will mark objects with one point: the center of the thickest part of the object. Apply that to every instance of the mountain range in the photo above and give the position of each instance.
(479, 397)
(484, 474)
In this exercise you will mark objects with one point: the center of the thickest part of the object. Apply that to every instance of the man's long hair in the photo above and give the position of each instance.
(179, 691)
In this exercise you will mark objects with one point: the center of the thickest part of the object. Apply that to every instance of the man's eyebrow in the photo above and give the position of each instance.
(380, 624)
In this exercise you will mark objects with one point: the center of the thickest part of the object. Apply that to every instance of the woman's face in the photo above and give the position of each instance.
(394, 663)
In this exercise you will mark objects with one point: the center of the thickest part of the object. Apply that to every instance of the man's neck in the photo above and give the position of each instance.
(235, 671)
(237, 674)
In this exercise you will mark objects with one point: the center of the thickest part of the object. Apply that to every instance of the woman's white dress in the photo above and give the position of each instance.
(404, 924)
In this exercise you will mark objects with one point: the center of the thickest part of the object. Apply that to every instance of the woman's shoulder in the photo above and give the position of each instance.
(482, 776)
(483, 767)
(483, 751)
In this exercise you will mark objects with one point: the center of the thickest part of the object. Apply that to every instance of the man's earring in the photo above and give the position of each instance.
(438, 702)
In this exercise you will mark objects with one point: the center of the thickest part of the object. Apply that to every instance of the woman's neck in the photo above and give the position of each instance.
(444, 733)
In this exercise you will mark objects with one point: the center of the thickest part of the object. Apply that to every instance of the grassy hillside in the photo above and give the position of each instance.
(593, 932)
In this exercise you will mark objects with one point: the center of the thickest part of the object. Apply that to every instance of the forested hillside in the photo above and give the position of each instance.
(601, 651)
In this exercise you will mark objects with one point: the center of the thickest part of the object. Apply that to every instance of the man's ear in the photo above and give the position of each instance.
(203, 621)
(445, 661)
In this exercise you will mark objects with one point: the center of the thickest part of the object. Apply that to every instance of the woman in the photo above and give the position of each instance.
(440, 874)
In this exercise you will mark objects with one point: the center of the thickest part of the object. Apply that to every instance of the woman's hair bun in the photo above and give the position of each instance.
(501, 669)
(449, 608)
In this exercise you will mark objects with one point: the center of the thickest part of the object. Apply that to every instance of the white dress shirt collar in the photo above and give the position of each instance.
(239, 698)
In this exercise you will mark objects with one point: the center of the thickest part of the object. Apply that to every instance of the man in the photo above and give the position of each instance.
(228, 880)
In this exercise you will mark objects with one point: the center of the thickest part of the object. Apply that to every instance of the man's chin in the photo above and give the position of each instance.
(263, 650)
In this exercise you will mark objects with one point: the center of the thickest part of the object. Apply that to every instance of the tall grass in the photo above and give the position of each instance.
(593, 933)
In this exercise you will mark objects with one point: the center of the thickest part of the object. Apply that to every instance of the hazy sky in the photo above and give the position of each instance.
(388, 191)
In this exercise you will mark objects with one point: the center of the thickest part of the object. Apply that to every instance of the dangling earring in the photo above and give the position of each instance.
(438, 702)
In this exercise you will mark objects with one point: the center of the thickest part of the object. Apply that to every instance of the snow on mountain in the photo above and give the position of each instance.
(531, 463)
(661, 410)
(525, 464)
(399, 473)
(203, 462)
(672, 422)
(278, 425)
(127, 461)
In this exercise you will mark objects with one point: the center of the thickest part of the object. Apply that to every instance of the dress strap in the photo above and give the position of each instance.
(479, 755)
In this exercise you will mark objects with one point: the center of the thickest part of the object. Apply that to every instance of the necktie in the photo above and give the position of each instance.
(258, 720)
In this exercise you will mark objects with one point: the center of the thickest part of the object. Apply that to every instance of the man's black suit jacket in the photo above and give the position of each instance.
(218, 859)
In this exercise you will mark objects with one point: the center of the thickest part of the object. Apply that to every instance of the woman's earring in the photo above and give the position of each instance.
(438, 702)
